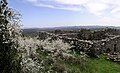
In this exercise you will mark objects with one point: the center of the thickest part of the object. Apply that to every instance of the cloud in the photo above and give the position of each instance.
(100, 8)
(72, 8)
(116, 12)
(97, 8)
(109, 20)
(71, 2)
(32, 0)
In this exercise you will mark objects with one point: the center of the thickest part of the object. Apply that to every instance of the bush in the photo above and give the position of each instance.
(9, 33)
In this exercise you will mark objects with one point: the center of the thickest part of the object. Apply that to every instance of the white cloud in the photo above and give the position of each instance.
(108, 10)
(109, 21)
(97, 8)
(71, 2)
(32, 0)
(112, 2)
(72, 8)
(74, 5)
(116, 12)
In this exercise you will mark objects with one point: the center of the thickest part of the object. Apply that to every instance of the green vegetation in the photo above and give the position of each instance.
(9, 33)
(98, 65)
(104, 66)
(31, 55)
(80, 64)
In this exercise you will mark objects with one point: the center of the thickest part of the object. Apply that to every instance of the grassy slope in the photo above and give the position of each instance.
(91, 65)
(98, 65)
(105, 66)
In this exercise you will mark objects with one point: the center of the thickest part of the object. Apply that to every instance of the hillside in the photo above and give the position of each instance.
(34, 31)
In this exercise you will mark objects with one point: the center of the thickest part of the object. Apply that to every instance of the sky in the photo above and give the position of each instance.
(55, 13)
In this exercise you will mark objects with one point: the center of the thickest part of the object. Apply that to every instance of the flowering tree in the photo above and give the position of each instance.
(9, 33)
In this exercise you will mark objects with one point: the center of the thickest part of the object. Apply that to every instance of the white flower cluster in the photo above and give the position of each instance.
(28, 50)
(55, 45)
(28, 47)
(30, 66)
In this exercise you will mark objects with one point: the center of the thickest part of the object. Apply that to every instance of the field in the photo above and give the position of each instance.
(98, 65)
(105, 66)
(67, 61)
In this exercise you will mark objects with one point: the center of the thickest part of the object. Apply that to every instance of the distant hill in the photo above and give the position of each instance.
(34, 31)
(67, 28)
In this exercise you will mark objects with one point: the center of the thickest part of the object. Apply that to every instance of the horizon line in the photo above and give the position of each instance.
(71, 26)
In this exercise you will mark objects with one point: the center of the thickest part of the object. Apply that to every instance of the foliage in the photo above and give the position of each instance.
(38, 55)
(29, 55)
(49, 57)
(9, 33)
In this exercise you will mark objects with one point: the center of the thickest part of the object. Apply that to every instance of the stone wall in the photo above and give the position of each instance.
(108, 44)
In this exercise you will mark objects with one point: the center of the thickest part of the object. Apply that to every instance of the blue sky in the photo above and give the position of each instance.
(54, 13)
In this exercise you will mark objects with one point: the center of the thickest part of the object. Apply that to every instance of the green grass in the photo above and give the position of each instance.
(95, 65)
(79, 65)
(104, 66)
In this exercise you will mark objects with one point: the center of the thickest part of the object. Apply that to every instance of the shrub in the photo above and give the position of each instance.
(9, 33)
